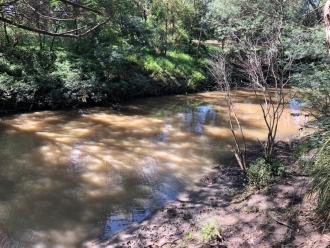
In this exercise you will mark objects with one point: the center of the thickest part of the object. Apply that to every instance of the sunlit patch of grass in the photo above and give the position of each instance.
(180, 56)
(176, 66)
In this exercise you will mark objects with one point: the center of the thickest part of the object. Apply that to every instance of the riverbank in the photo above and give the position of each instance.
(61, 79)
(281, 215)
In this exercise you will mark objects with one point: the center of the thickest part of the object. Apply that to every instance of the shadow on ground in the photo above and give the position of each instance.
(281, 216)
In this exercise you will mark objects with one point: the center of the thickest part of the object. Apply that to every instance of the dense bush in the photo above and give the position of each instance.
(31, 78)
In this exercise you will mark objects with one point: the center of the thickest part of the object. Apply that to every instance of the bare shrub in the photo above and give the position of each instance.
(268, 74)
(221, 71)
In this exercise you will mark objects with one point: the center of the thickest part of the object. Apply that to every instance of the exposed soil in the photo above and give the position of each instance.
(280, 216)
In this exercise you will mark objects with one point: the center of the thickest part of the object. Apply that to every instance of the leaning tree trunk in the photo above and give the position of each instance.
(327, 23)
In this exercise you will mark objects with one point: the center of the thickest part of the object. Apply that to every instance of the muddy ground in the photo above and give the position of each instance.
(279, 216)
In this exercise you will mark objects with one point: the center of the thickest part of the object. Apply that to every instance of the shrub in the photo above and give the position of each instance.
(30, 78)
(278, 169)
(314, 86)
(259, 173)
(210, 229)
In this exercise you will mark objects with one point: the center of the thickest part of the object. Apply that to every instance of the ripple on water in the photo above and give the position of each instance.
(71, 177)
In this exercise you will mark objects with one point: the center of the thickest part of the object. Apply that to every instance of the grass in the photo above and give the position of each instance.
(176, 66)
(210, 228)
(321, 180)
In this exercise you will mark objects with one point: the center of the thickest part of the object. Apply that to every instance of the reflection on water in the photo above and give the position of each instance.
(194, 119)
(70, 177)
(295, 107)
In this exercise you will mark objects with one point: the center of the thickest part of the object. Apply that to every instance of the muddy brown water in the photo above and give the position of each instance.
(67, 177)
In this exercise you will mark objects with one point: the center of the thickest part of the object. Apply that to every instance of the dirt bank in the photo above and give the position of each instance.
(281, 216)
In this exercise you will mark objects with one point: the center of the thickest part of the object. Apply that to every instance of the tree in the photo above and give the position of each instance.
(52, 18)
(255, 38)
(268, 75)
(326, 16)
(221, 71)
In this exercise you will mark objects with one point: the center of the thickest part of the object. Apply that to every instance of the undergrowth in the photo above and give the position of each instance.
(321, 180)
(261, 173)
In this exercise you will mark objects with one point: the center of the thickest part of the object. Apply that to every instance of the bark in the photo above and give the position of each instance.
(326, 17)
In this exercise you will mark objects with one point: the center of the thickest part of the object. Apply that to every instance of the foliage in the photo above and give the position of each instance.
(314, 86)
(124, 49)
(278, 168)
(63, 79)
(210, 229)
(321, 179)
(146, 48)
(176, 65)
(300, 151)
(261, 173)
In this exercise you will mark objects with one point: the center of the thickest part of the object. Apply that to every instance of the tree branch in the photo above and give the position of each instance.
(48, 17)
(81, 6)
(63, 34)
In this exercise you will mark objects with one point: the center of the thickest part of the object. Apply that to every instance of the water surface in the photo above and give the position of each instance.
(67, 177)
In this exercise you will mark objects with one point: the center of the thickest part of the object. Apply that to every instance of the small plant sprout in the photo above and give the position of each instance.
(210, 229)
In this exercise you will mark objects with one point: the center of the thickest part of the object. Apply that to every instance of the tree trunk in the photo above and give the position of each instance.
(199, 43)
(5, 30)
(327, 23)
(166, 30)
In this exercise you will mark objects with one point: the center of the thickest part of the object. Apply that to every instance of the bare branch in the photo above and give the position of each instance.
(48, 17)
(220, 71)
(63, 34)
(81, 6)
(267, 78)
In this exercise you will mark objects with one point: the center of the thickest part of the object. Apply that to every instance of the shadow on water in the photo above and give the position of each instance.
(69, 177)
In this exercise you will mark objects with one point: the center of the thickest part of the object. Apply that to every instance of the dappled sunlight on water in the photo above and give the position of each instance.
(68, 177)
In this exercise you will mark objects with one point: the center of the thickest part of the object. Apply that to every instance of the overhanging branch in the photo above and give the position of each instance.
(81, 6)
(48, 17)
(67, 34)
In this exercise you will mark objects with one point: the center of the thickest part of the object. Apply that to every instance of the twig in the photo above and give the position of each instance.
(170, 242)
(279, 222)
